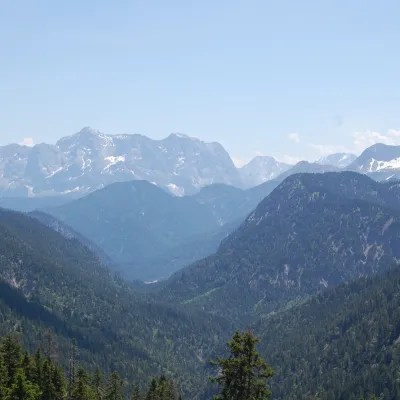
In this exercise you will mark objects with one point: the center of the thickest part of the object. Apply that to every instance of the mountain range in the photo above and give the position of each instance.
(261, 169)
(147, 232)
(308, 270)
(90, 160)
(312, 232)
(380, 161)
(338, 160)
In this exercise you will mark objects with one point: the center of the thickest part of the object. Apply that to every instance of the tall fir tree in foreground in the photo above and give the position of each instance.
(244, 374)
(115, 386)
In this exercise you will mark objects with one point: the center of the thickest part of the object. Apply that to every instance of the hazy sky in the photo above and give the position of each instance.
(291, 79)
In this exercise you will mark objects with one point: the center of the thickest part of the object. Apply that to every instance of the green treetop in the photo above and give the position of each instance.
(243, 375)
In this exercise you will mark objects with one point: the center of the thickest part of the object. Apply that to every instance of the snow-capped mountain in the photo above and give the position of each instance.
(379, 161)
(89, 160)
(338, 160)
(261, 169)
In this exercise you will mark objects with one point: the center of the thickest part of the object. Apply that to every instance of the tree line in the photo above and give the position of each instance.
(38, 376)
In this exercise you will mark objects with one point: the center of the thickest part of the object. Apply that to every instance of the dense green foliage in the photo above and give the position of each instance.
(312, 232)
(38, 377)
(69, 233)
(47, 280)
(244, 373)
(339, 345)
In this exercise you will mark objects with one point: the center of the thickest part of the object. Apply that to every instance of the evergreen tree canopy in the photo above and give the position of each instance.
(244, 373)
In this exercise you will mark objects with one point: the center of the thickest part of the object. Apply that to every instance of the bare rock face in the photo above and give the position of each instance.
(89, 160)
(380, 162)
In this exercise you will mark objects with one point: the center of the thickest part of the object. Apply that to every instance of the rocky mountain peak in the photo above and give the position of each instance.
(261, 169)
(90, 159)
(338, 160)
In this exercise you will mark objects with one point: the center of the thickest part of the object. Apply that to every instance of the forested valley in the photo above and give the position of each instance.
(330, 331)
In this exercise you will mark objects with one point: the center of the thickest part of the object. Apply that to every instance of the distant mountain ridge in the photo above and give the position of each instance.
(134, 221)
(338, 160)
(89, 160)
(261, 169)
(379, 161)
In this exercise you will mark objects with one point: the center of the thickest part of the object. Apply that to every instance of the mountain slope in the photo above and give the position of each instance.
(229, 204)
(338, 160)
(161, 266)
(380, 161)
(150, 234)
(69, 233)
(303, 167)
(132, 220)
(76, 295)
(27, 204)
(89, 160)
(312, 232)
(261, 169)
(341, 344)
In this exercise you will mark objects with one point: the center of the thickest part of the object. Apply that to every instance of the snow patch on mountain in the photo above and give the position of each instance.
(338, 160)
(90, 159)
(376, 165)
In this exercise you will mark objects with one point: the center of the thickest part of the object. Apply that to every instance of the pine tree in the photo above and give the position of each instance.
(3, 378)
(12, 355)
(243, 375)
(115, 386)
(136, 393)
(151, 393)
(27, 366)
(37, 368)
(47, 381)
(71, 368)
(166, 389)
(22, 389)
(98, 385)
(81, 389)
(58, 383)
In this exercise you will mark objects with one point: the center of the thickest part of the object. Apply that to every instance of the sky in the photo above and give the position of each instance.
(290, 79)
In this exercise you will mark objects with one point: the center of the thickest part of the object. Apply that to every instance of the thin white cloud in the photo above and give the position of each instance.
(362, 140)
(294, 137)
(27, 142)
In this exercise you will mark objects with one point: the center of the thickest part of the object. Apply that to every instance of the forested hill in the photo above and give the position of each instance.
(133, 221)
(59, 283)
(340, 345)
(312, 232)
